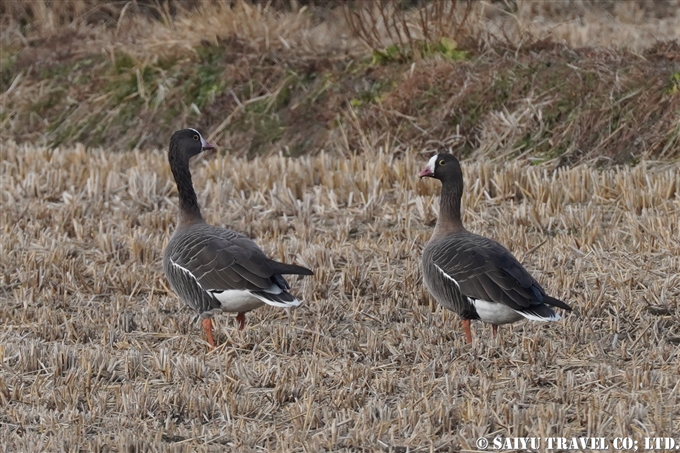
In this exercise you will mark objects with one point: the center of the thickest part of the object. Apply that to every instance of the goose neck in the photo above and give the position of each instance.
(189, 210)
(449, 207)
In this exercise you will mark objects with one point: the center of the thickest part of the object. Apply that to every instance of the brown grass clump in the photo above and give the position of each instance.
(96, 354)
(387, 25)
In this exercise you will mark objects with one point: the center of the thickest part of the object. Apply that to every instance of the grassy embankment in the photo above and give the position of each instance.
(265, 80)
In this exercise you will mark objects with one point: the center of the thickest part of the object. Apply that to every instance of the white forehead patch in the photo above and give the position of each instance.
(431, 163)
(203, 142)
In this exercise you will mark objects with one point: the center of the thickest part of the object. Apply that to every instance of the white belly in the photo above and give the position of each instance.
(495, 313)
(238, 301)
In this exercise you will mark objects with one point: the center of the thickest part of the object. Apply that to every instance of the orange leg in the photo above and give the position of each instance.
(241, 318)
(207, 326)
(494, 329)
(468, 333)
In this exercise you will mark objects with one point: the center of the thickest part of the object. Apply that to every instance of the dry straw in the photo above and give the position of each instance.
(97, 354)
(149, 24)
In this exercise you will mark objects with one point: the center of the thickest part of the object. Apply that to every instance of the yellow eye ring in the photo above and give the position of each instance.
(195, 137)
(441, 162)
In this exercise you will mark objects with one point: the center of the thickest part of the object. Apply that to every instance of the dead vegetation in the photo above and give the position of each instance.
(505, 78)
(390, 30)
(97, 355)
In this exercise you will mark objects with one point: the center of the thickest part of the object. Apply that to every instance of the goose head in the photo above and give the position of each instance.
(444, 167)
(187, 143)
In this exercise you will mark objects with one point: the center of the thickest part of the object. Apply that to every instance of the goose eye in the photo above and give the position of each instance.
(195, 137)
(441, 162)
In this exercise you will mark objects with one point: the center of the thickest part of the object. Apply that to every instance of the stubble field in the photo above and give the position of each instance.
(96, 354)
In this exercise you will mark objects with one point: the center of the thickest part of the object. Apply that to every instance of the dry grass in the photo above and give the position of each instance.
(97, 355)
(634, 25)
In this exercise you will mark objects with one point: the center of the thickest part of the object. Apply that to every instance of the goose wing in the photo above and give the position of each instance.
(485, 270)
(223, 260)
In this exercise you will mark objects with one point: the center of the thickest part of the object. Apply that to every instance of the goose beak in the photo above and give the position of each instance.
(429, 168)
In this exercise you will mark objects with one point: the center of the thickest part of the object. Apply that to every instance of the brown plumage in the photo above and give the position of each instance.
(213, 269)
(474, 276)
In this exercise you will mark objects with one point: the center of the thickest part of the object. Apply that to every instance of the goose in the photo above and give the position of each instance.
(214, 269)
(474, 276)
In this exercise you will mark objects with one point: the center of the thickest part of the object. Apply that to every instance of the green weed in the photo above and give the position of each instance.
(445, 47)
(674, 83)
